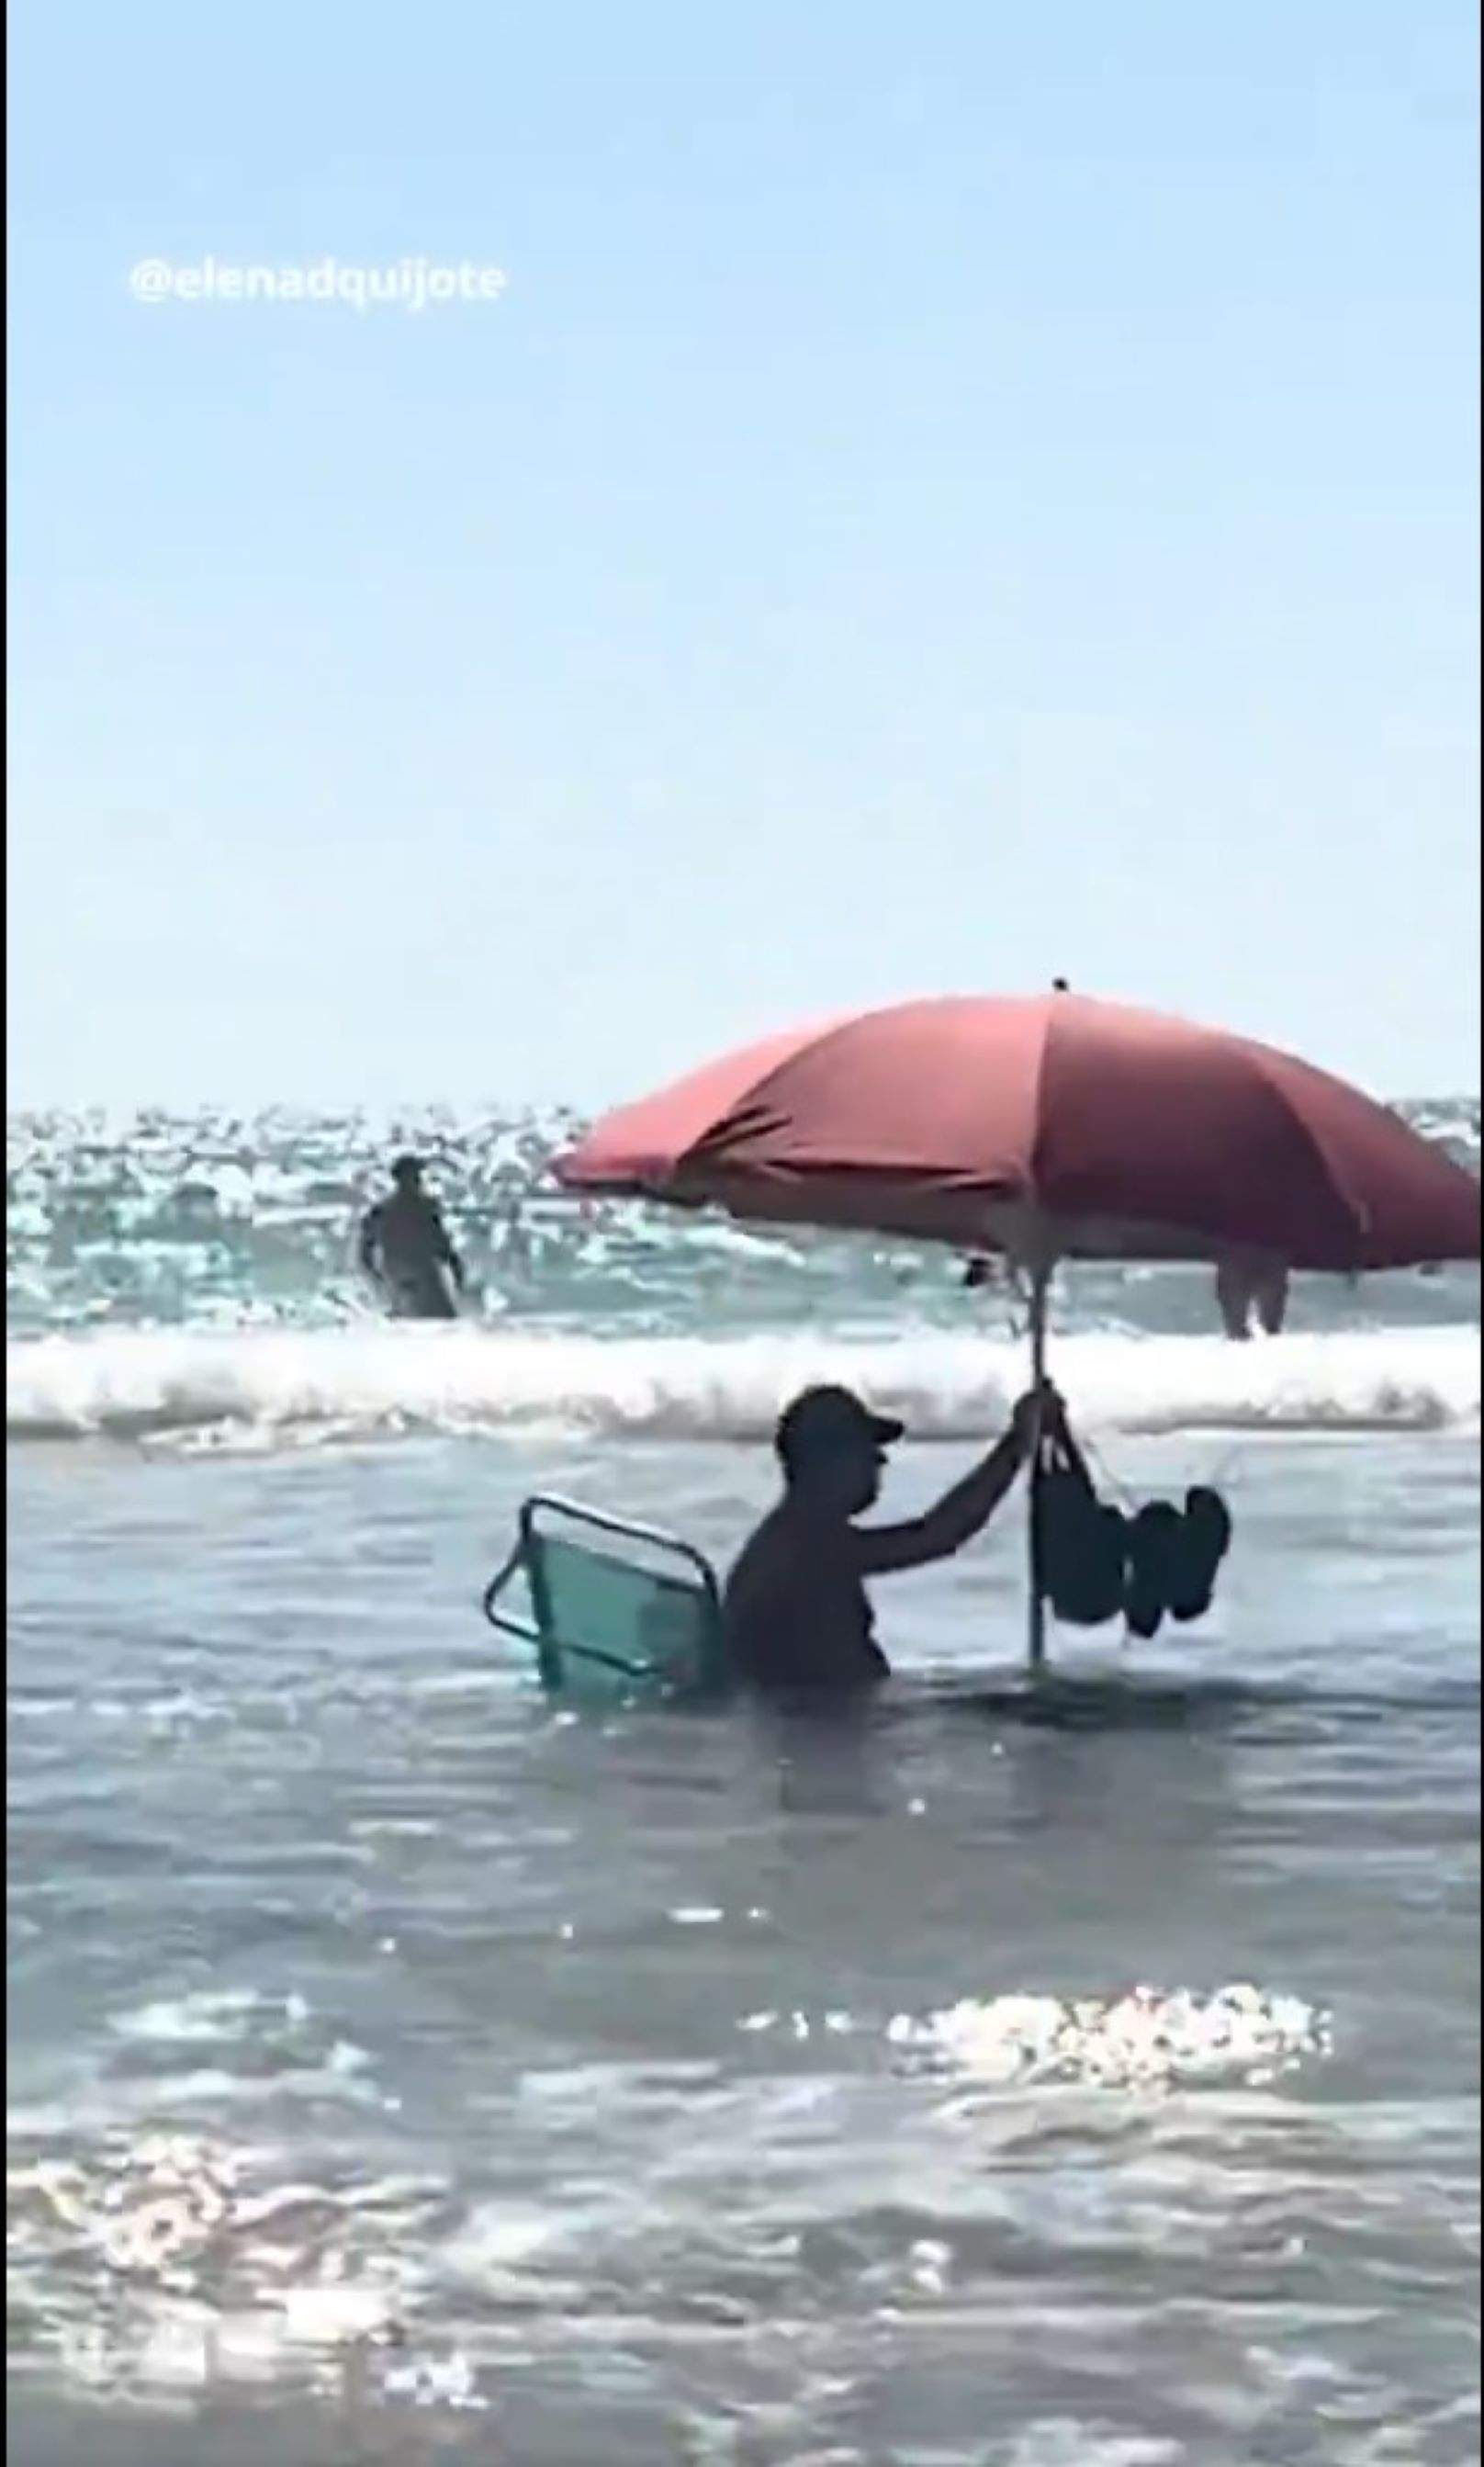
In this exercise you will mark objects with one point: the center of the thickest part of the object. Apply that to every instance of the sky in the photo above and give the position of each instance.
(948, 496)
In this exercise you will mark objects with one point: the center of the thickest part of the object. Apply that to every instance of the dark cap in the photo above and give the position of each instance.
(406, 1169)
(830, 1417)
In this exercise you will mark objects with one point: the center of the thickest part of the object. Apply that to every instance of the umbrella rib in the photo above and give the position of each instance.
(1032, 1192)
(1358, 1214)
(814, 1045)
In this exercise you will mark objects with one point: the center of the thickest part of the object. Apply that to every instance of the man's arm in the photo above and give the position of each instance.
(367, 1245)
(445, 1250)
(962, 1511)
(960, 1514)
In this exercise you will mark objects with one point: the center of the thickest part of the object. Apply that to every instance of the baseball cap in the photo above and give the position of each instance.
(830, 1417)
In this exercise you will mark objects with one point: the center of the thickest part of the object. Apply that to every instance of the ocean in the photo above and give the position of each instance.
(403, 2068)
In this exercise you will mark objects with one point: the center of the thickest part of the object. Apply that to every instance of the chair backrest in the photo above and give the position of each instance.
(605, 1619)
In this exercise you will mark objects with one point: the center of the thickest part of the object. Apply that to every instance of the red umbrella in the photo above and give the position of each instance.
(1044, 1127)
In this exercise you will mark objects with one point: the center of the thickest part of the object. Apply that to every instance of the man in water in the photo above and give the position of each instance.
(1251, 1281)
(405, 1249)
(796, 1608)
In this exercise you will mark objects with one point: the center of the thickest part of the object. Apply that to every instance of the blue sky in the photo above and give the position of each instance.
(951, 495)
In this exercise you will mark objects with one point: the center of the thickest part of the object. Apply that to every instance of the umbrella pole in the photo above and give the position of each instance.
(1035, 1643)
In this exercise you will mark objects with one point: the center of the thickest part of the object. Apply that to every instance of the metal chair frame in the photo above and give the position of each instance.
(525, 1559)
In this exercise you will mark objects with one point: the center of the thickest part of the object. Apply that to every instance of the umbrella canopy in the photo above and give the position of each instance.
(1046, 1127)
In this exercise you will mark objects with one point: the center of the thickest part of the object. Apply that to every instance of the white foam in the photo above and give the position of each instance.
(1145, 2039)
(208, 2014)
(146, 2250)
(266, 1385)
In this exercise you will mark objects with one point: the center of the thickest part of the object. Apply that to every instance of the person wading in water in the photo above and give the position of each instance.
(796, 1608)
(405, 1250)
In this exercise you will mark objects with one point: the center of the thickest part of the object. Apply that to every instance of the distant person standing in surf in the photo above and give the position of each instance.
(405, 1250)
(1246, 1282)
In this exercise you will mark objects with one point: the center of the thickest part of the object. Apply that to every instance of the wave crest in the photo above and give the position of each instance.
(275, 1383)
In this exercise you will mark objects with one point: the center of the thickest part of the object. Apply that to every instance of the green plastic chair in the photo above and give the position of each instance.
(607, 1622)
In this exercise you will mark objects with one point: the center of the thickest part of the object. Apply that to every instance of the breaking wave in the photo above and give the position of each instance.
(271, 1386)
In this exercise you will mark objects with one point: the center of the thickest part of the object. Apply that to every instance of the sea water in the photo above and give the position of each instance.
(404, 2067)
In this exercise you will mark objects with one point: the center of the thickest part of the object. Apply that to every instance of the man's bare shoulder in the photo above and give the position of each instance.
(789, 1549)
(765, 1545)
